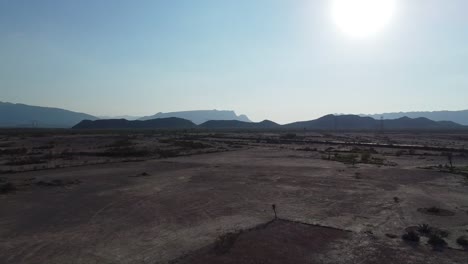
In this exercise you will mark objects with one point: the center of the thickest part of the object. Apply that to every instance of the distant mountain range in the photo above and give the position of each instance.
(355, 122)
(328, 122)
(460, 117)
(236, 124)
(201, 116)
(21, 115)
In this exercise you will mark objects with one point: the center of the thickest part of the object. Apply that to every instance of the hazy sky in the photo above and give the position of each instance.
(283, 60)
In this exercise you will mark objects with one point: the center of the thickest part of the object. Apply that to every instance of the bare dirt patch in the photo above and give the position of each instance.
(279, 242)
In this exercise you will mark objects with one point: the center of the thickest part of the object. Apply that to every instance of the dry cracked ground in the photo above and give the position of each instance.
(217, 207)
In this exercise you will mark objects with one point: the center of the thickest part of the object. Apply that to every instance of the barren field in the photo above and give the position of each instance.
(206, 197)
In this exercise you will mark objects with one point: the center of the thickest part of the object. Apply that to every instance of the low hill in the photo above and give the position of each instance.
(460, 117)
(331, 122)
(201, 116)
(236, 124)
(355, 122)
(160, 123)
(21, 115)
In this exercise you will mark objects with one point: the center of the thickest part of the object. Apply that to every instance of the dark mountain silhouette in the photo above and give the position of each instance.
(328, 122)
(160, 123)
(354, 122)
(236, 124)
(460, 117)
(21, 115)
(331, 122)
(201, 116)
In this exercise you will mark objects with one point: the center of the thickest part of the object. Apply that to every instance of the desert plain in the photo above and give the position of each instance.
(233, 197)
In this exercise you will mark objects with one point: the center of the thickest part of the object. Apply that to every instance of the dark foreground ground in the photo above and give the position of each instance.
(206, 198)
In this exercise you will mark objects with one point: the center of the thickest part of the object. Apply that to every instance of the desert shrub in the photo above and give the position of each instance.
(307, 149)
(462, 241)
(125, 152)
(57, 183)
(44, 147)
(119, 143)
(191, 144)
(14, 151)
(357, 175)
(166, 140)
(436, 240)
(24, 161)
(440, 232)
(7, 187)
(411, 236)
(289, 136)
(449, 156)
(399, 153)
(365, 156)
(167, 153)
(424, 229)
(377, 161)
(225, 242)
(345, 158)
(433, 209)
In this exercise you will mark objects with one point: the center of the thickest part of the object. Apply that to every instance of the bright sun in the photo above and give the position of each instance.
(361, 18)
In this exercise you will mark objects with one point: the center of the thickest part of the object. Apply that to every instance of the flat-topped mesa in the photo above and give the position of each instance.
(201, 116)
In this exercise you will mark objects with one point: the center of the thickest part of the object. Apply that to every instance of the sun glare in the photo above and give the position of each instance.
(361, 18)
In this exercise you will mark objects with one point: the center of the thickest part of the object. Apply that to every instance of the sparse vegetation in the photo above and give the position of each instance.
(424, 229)
(450, 159)
(411, 236)
(365, 157)
(7, 187)
(433, 209)
(436, 241)
(121, 143)
(400, 152)
(25, 161)
(191, 144)
(463, 241)
(57, 183)
(345, 158)
(307, 149)
(125, 152)
(225, 242)
(357, 175)
(14, 151)
(288, 136)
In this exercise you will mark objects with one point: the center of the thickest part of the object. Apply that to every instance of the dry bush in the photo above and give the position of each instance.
(411, 236)
(225, 242)
(7, 187)
(462, 241)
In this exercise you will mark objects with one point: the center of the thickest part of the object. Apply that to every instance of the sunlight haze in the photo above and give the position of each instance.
(268, 59)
